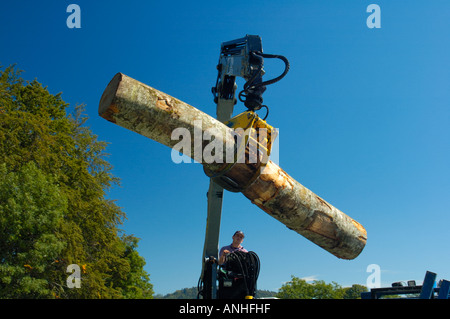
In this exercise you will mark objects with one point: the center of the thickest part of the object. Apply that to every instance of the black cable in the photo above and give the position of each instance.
(274, 56)
(244, 272)
(267, 113)
(251, 95)
(257, 264)
(248, 265)
(249, 84)
(199, 288)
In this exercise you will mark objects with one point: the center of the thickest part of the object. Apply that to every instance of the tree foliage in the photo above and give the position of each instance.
(54, 209)
(300, 289)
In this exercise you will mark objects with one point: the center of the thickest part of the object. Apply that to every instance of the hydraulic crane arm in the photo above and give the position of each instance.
(238, 58)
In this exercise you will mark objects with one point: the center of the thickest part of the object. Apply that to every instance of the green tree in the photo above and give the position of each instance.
(67, 201)
(354, 292)
(322, 290)
(299, 289)
(32, 207)
(134, 284)
(295, 289)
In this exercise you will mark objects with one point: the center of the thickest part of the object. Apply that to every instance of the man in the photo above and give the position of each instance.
(238, 238)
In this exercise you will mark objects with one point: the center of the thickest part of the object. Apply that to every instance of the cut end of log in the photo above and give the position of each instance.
(107, 108)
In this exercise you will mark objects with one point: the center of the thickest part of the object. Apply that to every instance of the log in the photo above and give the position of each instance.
(154, 114)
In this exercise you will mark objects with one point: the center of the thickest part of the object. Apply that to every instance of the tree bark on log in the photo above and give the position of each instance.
(154, 114)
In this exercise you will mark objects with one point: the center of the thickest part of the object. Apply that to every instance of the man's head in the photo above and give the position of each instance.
(238, 237)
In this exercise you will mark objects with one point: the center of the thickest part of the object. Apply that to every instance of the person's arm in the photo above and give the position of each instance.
(223, 255)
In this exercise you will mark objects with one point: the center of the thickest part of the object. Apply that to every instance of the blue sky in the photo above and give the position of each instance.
(363, 115)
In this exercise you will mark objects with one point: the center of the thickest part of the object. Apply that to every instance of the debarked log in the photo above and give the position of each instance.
(154, 114)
